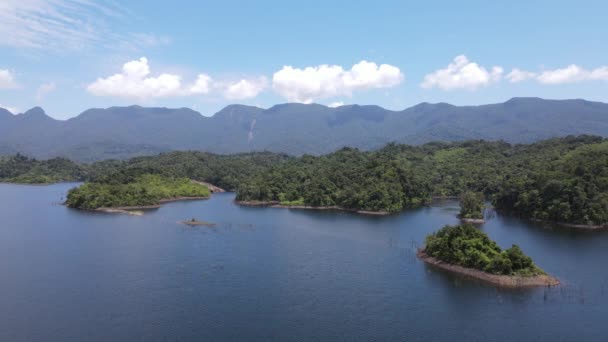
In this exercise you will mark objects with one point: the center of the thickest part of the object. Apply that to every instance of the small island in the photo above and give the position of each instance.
(471, 207)
(144, 192)
(467, 251)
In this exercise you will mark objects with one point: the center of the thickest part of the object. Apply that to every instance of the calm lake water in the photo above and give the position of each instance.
(266, 274)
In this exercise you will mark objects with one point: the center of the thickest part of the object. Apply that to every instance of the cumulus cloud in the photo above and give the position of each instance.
(326, 81)
(44, 89)
(462, 74)
(245, 89)
(7, 80)
(335, 104)
(517, 75)
(134, 82)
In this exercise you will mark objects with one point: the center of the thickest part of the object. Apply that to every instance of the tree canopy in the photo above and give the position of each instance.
(471, 205)
(467, 246)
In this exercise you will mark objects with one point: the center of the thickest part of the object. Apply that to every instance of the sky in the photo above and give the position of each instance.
(70, 55)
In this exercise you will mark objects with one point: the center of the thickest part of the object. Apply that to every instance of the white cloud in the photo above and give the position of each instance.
(517, 75)
(202, 84)
(572, 73)
(335, 104)
(600, 73)
(134, 82)
(245, 89)
(13, 110)
(61, 25)
(326, 81)
(7, 80)
(462, 74)
(44, 89)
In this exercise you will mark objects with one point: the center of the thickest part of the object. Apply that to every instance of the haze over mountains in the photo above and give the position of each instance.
(121, 132)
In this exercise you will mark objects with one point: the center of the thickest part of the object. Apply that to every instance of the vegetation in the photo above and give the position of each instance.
(144, 190)
(21, 169)
(471, 205)
(225, 171)
(562, 179)
(466, 246)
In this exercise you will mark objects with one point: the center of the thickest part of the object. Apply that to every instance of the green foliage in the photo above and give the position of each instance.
(21, 169)
(471, 205)
(144, 190)
(225, 171)
(562, 179)
(466, 246)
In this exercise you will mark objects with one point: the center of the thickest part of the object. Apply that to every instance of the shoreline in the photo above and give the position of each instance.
(495, 279)
(212, 188)
(138, 210)
(579, 226)
(277, 204)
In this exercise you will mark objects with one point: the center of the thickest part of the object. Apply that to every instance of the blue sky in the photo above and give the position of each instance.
(70, 55)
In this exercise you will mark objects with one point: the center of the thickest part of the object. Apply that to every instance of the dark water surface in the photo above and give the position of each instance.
(266, 274)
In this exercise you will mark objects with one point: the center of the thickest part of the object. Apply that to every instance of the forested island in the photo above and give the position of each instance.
(468, 251)
(560, 180)
(143, 192)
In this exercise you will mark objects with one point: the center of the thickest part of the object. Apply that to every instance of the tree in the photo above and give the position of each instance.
(471, 205)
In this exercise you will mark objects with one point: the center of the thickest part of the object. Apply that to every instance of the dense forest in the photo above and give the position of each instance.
(466, 246)
(142, 191)
(21, 169)
(225, 171)
(561, 179)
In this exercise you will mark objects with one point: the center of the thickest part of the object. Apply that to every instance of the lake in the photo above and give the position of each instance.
(268, 274)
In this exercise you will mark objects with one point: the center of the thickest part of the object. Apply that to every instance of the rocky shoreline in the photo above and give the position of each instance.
(499, 280)
(214, 189)
(277, 204)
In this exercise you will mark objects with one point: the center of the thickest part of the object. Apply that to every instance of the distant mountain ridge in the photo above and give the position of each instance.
(121, 132)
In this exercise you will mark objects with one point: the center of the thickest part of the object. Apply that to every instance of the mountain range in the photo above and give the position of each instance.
(293, 128)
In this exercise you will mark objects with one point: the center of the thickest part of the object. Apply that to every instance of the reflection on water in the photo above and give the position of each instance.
(264, 274)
